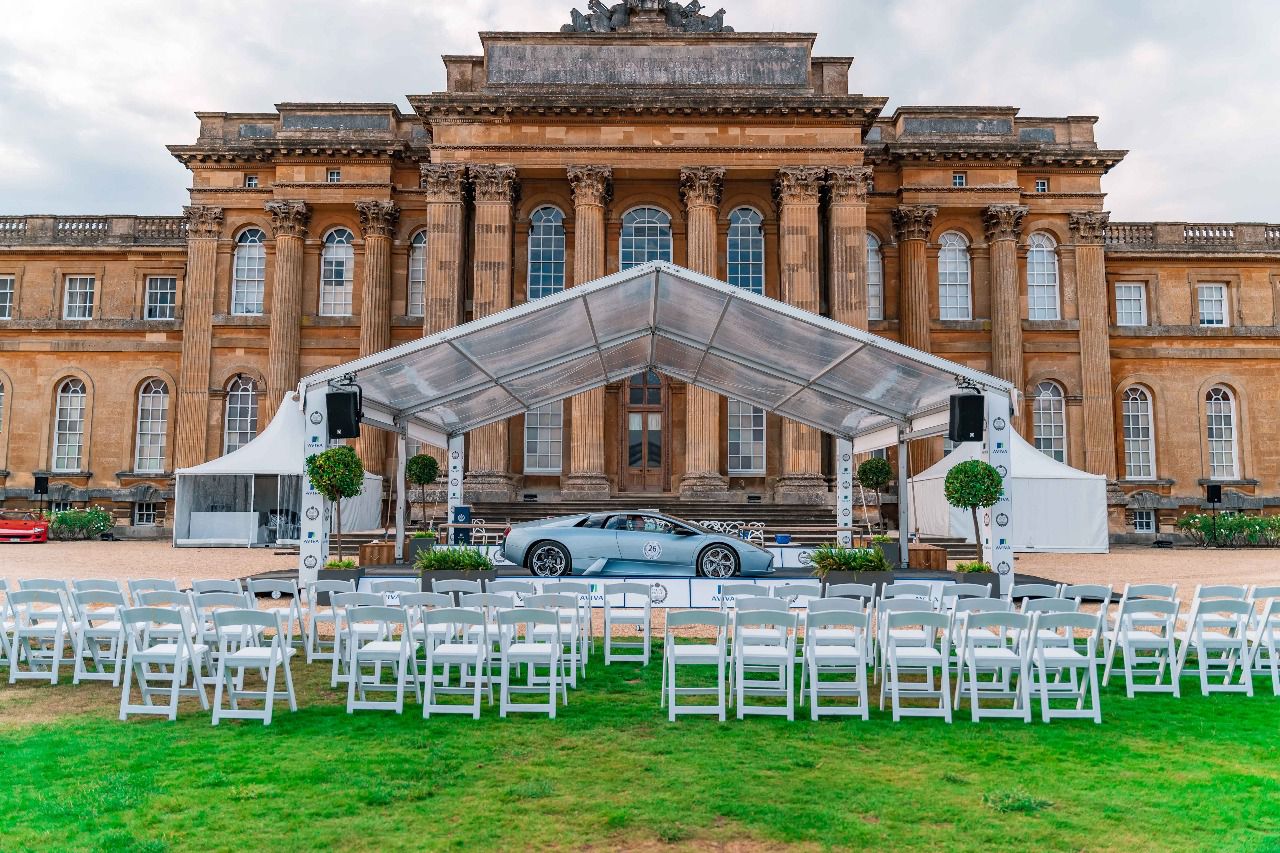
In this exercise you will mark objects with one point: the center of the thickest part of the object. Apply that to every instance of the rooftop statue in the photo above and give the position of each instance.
(681, 18)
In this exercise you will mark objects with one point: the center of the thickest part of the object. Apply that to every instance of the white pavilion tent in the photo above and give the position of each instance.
(1060, 508)
(253, 495)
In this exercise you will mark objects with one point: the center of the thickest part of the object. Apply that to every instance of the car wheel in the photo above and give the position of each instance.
(549, 560)
(718, 561)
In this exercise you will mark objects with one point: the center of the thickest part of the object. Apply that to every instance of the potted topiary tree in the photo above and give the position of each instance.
(970, 485)
(875, 473)
(422, 471)
(336, 474)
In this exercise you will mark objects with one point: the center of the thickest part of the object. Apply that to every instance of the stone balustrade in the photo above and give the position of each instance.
(92, 230)
(1193, 236)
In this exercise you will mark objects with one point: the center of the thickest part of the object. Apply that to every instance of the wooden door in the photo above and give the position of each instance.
(645, 433)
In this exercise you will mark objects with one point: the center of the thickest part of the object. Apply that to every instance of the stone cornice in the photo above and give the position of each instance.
(289, 218)
(798, 185)
(849, 184)
(592, 185)
(914, 222)
(1003, 221)
(377, 218)
(292, 149)
(497, 183)
(1087, 160)
(1089, 226)
(444, 182)
(702, 186)
(203, 221)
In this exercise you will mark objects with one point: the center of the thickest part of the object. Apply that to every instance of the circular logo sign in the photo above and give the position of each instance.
(657, 593)
(455, 455)
(309, 561)
(805, 558)
(1002, 520)
(313, 513)
(846, 457)
(1002, 471)
(999, 423)
(652, 550)
(1003, 568)
(316, 417)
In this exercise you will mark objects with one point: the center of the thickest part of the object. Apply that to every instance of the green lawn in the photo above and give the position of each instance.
(612, 773)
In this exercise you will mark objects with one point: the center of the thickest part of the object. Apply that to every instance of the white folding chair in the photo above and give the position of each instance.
(863, 592)
(1074, 653)
(566, 604)
(1033, 606)
(218, 585)
(99, 636)
(161, 661)
(904, 654)
(418, 605)
(1145, 629)
(1034, 590)
(139, 585)
(823, 633)
(507, 586)
(1264, 636)
(391, 588)
(1218, 633)
(378, 636)
(6, 621)
(40, 634)
(206, 606)
(285, 599)
(906, 589)
(322, 612)
(768, 654)
(523, 644)
(906, 634)
(1006, 661)
(456, 587)
(1210, 621)
(1137, 592)
(638, 616)
(582, 589)
(466, 645)
(697, 652)
(243, 645)
(841, 650)
(1094, 594)
(345, 631)
(960, 609)
(489, 605)
(799, 594)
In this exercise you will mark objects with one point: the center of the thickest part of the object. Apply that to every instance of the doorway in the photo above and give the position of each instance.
(646, 440)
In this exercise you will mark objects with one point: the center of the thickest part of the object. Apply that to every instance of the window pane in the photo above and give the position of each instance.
(162, 297)
(417, 306)
(655, 440)
(1042, 278)
(1221, 422)
(1139, 439)
(1213, 304)
(875, 279)
(953, 277)
(241, 421)
(746, 250)
(153, 421)
(746, 438)
(1131, 304)
(543, 434)
(249, 273)
(646, 236)
(546, 252)
(68, 436)
(6, 297)
(1049, 418)
(337, 265)
(78, 301)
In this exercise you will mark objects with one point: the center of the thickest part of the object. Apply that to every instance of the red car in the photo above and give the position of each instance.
(23, 527)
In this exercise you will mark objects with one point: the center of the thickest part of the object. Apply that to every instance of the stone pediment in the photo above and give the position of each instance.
(645, 16)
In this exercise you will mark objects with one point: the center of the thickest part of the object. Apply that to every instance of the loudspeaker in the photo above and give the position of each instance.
(344, 414)
(42, 485)
(1213, 493)
(968, 418)
(461, 515)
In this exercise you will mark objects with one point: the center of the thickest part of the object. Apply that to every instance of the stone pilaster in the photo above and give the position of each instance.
(702, 189)
(1003, 223)
(1089, 229)
(445, 184)
(592, 190)
(378, 227)
(847, 242)
(289, 220)
(488, 460)
(203, 226)
(914, 224)
(797, 192)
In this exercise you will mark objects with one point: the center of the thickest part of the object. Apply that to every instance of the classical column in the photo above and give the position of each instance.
(797, 193)
(847, 243)
(913, 224)
(378, 225)
(1095, 346)
(203, 225)
(1003, 224)
(445, 185)
(488, 465)
(702, 189)
(289, 221)
(592, 189)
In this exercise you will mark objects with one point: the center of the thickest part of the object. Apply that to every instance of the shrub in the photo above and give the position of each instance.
(972, 484)
(425, 534)
(875, 474)
(453, 560)
(336, 473)
(838, 558)
(340, 564)
(80, 523)
(975, 566)
(1231, 529)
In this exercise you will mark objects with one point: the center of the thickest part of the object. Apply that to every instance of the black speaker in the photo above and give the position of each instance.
(968, 418)
(344, 414)
(461, 515)
(1213, 493)
(42, 485)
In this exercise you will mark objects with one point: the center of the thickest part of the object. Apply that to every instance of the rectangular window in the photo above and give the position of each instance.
(746, 438)
(335, 176)
(543, 439)
(77, 301)
(1144, 521)
(251, 182)
(162, 297)
(6, 297)
(1213, 304)
(959, 179)
(1042, 185)
(59, 506)
(1131, 304)
(144, 513)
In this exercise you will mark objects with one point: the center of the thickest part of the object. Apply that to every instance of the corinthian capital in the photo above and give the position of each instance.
(1089, 226)
(203, 220)
(444, 182)
(289, 218)
(914, 222)
(1003, 221)
(592, 185)
(849, 184)
(377, 218)
(702, 186)
(798, 184)
(497, 183)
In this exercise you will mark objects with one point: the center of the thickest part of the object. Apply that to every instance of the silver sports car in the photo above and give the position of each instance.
(632, 543)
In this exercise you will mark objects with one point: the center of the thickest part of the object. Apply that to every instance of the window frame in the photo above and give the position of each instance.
(8, 296)
(246, 391)
(1225, 289)
(158, 427)
(1136, 446)
(1039, 271)
(549, 434)
(138, 513)
(149, 291)
(1038, 422)
(875, 278)
(249, 274)
(745, 234)
(251, 182)
(753, 448)
(336, 239)
(664, 236)
(960, 245)
(1232, 442)
(959, 180)
(67, 291)
(545, 253)
(1042, 185)
(415, 296)
(1141, 287)
(1141, 526)
(69, 390)
(333, 176)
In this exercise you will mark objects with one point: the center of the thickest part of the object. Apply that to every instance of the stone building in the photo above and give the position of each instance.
(130, 346)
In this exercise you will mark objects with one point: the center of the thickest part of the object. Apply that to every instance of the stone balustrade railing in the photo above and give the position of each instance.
(92, 230)
(1192, 236)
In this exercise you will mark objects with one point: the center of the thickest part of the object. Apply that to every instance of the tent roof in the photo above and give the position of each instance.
(1028, 463)
(803, 366)
(276, 450)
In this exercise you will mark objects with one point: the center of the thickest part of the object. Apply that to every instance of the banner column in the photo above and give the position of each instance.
(997, 521)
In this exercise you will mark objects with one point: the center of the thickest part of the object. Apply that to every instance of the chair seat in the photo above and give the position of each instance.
(917, 656)
(1061, 655)
(458, 649)
(756, 653)
(997, 655)
(532, 651)
(832, 635)
(760, 635)
(100, 628)
(257, 656)
(695, 653)
(549, 631)
(386, 648)
(836, 655)
(1143, 639)
(168, 652)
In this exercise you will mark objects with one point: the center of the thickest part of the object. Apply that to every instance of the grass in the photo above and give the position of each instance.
(1161, 773)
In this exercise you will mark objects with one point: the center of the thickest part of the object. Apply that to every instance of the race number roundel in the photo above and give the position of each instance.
(652, 550)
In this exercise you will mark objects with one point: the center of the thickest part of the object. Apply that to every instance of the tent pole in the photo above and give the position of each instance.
(402, 446)
(904, 512)
(457, 460)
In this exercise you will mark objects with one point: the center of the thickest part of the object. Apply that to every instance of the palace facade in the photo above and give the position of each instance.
(131, 346)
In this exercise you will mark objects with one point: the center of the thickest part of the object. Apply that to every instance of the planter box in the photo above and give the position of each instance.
(891, 550)
(377, 553)
(353, 575)
(413, 546)
(928, 557)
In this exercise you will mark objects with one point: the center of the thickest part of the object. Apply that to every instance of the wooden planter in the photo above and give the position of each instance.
(377, 553)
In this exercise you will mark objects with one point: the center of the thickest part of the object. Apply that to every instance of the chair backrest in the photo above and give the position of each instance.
(357, 599)
(761, 603)
(907, 604)
(1227, 591)
(1087, 592)
(797, 593)
(575, 587)
(140, 585)
(95, 585)
(166, 598)
(20, 601)
(826, 618)
(923, 618)
(430, 600)
(147, 616)
(377, 614)
(395, 585)
(552, 601)
(516, 587)
(690, 618)
(455, 586)
(1262, 593)
(729, 593)
(217, 585)
(999, 621)
(1069, 626)
(1035, 590)
(453, 616)
(529, 616)
(205, 601)
(273, 587)
(1050, 605)
(766, 619)
(967, 590)
(906, 590)
(835, 605)
(46, 584)
(245, 618)
(1146, 608)
(329, 588)
(1216, 607)
(621, 589)
(109, 598)
(865, 591)
(983, 605)
(491, 601)
(1167, 591)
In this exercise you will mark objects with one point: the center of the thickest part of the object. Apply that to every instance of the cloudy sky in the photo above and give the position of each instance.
(91, 91)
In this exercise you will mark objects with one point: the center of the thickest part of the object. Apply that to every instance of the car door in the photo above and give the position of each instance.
(651, 544)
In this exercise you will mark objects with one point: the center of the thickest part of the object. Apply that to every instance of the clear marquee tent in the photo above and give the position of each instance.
(867, 391)
(253, 495)
(1060, 508)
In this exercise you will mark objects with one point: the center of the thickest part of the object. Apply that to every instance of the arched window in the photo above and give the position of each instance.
(417, 295)
(153, 426)
(546, 252)
(646, 236)
(954, 278)
(337, 268)
(746, 250)
(1139, 435)
(1220, 418)
(249, 272)
(1049, 421)
(241, 422)
(1042, 277)
(875, 278)
(68, 428)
